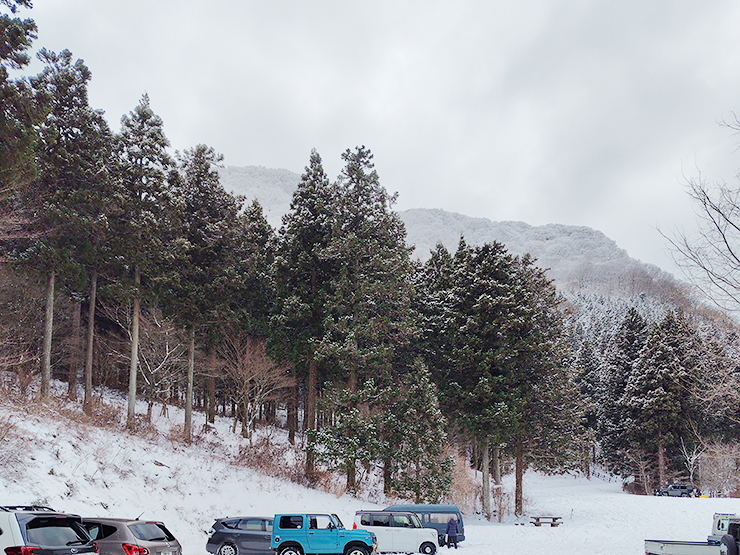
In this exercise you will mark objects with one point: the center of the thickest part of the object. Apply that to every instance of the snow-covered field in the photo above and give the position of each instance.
(71, 465)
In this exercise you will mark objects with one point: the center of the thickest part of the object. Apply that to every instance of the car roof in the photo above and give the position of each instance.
(120, 520)
(247, 516)
(27, 509)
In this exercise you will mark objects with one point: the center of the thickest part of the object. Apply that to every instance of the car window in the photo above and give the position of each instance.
(250, 524)
(402, 521)
(320, 522)
(366, 520)
(268, 525)
(151, 532)
(54, 533)
(230, 523)
(381, 520)
(291, 522)
(99, 531)
(441, 518)
(417, 520)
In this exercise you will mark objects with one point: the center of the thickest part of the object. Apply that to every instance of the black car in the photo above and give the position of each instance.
(34, 530)
(241, 535)
(678, 490)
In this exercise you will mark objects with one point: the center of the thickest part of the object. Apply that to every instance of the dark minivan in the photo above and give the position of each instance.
(435, 516)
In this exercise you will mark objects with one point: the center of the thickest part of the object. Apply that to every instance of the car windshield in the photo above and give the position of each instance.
(337, 521)
(415, 519)
(151, 532)
(58, 532)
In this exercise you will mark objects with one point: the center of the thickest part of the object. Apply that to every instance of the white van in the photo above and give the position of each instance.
(398, 532)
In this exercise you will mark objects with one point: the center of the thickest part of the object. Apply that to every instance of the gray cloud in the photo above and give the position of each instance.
(569, 112)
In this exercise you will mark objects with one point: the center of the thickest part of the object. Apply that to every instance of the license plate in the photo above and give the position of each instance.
(165, 553)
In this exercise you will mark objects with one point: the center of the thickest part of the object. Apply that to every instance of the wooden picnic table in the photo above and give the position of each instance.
(551, 520)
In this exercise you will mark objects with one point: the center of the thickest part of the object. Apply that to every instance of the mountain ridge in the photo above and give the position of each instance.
(576, 257)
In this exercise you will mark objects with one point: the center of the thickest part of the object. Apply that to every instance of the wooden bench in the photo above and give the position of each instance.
(551, 520)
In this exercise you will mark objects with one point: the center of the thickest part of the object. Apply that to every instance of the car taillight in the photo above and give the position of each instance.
(97, 548)
(354, 526)
(133, 549)
(21, 550)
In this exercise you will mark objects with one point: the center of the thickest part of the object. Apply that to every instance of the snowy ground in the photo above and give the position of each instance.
(74, 466)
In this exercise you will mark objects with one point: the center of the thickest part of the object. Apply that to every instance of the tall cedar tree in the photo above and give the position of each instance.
(543, 403)
(368, 306)
(620, 357)
(250, 289)
(141, 170)
(200, 244)
(303, 272)
(659, 409)
(69, 200)
(20, 108)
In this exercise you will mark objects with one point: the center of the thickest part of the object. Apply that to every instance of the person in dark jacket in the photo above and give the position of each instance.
(452, 532)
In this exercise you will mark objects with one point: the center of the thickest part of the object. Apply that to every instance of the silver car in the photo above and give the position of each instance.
(119, 536)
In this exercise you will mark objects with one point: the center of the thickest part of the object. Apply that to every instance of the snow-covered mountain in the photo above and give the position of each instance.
(577, 258)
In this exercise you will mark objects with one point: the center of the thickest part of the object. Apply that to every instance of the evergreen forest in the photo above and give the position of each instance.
(126, 266)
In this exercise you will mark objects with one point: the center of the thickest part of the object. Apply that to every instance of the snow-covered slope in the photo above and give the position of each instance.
(53, 455)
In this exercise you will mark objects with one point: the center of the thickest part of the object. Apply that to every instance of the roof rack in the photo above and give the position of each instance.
(39, 508)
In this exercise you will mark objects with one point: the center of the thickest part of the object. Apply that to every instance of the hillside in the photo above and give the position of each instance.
(578, 258)
(54, 455)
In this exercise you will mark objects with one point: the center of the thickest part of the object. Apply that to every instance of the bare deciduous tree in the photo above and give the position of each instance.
(256, 377)
(711, 256)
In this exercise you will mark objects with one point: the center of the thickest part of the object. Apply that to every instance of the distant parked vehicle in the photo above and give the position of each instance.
(435, 516)
(397, 532)
(34, 530)
(123, 536)
(678, 490)
(723, 540)
(241, 535)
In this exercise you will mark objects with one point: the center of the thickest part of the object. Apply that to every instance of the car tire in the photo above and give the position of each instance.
(227, 549)
(728, 545)
(428, 548)
(360, 550)
(291, 550)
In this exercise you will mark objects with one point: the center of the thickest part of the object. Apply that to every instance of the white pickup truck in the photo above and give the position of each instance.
(722, 541)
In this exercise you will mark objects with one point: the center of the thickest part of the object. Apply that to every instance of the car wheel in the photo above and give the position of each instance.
(428, 548)
(358, 550)
(291, 550)
(727, 545)
(227, 549)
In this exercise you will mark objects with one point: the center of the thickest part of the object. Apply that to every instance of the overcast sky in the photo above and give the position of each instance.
(555, 111)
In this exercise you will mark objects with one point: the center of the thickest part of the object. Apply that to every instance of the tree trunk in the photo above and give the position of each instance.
(661, 464)
(485, 471)
(293, 415)
(519, 472)
(311, 407)
(134, 368)
(211, 388)
(74, 350)
(189, 386)
(48, 330)
(497, 465)
(90, 342)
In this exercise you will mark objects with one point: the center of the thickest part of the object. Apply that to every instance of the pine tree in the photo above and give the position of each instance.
(142, 166)
(20, 107)
(200, 246)
(368, 306)
(303, 272)
(69, 202)
(657, 396)
(415, 436)
(621, 355)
